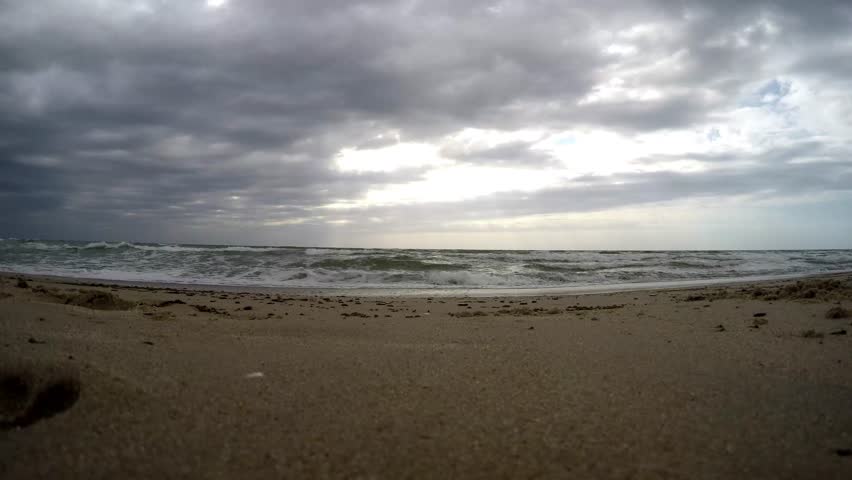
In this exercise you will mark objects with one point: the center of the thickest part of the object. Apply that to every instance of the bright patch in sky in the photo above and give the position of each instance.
(390, 158)
(216, 3)
(616, 90)
(739, 134)
(458, 183)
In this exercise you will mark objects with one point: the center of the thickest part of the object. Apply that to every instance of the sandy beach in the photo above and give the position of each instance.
(740, 381)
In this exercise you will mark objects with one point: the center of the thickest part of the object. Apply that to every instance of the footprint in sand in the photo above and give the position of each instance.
(27, 397)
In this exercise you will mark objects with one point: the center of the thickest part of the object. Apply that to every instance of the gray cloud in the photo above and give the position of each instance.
(122, 120)
(516, 153)
(760, 181)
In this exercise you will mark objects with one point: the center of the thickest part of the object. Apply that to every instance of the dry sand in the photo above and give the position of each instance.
(747, 381)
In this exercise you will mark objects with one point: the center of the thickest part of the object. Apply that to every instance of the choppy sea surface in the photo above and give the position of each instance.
(298, 267)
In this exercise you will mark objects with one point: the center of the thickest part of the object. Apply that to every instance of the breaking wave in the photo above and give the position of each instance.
(389, 268)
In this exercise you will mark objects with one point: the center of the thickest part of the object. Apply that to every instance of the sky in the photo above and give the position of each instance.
(654, 124)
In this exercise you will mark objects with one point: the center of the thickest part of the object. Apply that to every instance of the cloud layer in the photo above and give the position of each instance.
(230, 121)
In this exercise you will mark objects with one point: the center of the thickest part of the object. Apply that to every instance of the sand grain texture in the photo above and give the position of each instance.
(625, 385)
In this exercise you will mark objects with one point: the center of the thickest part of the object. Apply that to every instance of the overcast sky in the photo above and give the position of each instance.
(462, 124)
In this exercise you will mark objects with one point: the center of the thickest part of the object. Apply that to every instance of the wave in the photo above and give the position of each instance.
(394, 268)
(830, 261)
(143, 247)
(469, 279)
(172, 248)
(566, 267)
(686, 264)
(42, 246)
(402, 263)
(331, 251)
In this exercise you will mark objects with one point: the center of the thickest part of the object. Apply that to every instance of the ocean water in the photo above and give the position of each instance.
(400, 269)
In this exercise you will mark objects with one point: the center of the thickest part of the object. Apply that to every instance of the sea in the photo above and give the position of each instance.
(371, 268)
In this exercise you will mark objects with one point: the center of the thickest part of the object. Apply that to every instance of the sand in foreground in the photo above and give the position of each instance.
(749, 381)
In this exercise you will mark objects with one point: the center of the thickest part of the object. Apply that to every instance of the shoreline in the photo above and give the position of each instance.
(436, 291)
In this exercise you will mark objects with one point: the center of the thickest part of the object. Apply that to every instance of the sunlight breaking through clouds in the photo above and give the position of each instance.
(390, 158)
(303, 121)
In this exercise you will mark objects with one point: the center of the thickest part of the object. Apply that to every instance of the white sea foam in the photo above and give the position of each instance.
(175, 248)
(329, 267)
(106, 245)
(469, 279)
(45, 246)
(333, 251)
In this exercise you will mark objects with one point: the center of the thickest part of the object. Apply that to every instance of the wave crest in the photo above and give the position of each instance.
(386, 268)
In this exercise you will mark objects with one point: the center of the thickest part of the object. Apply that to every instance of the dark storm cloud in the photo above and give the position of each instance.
(128, 115)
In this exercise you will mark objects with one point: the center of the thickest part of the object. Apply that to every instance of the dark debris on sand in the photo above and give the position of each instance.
(206, 309)
(837, 312)
(812, 334)
(168, 303)
(802, 290)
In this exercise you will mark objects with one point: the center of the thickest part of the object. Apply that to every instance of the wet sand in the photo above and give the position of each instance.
(740, 381)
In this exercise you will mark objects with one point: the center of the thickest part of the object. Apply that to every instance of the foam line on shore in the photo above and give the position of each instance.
(433, 292)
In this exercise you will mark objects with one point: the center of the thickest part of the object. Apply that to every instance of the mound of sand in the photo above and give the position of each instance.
(94, 299)
(98, 300)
